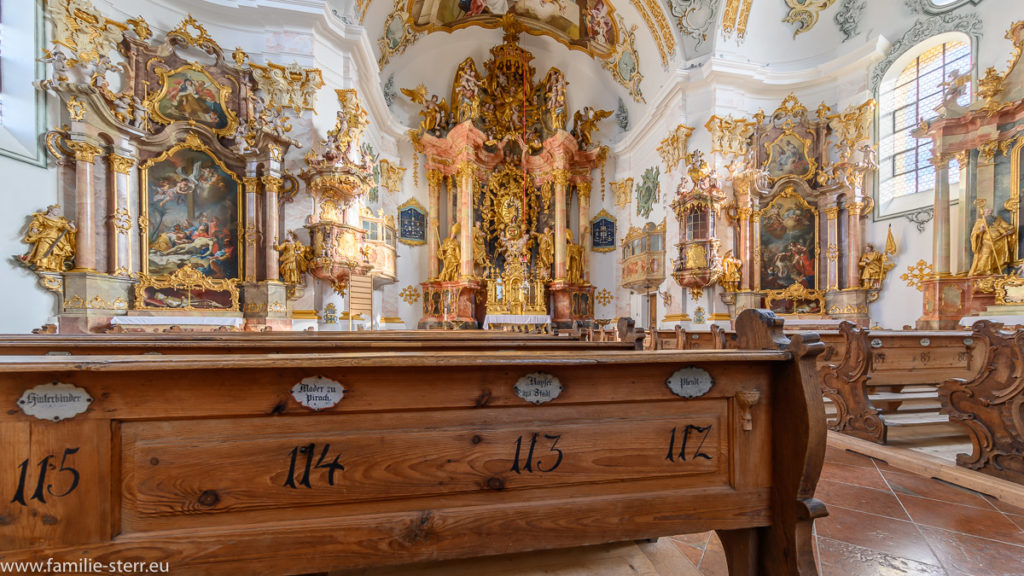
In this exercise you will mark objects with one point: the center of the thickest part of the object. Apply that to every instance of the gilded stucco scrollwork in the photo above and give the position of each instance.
(916, 273)
(290, 86)
(657, 24)
(625, 62)
(730, 136)
(673, 148)
(804, 13)
(623, 191)
(397, 36)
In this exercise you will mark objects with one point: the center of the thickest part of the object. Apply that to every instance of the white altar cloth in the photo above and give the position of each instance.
(516, 319)
(233, 322)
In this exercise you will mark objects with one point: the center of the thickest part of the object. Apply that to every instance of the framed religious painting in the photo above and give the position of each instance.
(412, 223)
(788, 242)
(191, 209)
(790, 155)
(1013, 204)
(191, 94)
(602, 232)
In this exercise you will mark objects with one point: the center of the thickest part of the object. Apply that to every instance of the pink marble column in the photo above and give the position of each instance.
(832, 253)
(854, 243)
(940, 227)
(85, 209)
(747, 275)
(252, 189)
(466, 179)
(585, 237)
(119, 243)
(270, 227)
(561, 181)
(434, 179)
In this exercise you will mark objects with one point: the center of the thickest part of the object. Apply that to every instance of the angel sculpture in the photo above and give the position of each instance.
(433, 110)
(585, 124)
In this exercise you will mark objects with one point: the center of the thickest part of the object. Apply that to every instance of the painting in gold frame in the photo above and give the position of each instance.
(787, 242)
(191, 210)
(190, 94)
(790, 155)
(1016, 189)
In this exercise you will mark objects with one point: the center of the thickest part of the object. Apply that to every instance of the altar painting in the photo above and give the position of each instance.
(190, 94)
(583, 24)
(191, 204)
(1013, 204)
(789, 242)
(788, 155)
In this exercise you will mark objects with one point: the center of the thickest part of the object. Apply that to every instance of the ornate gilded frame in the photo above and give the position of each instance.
(1013, 204)
(191, 142)
(412, 204)
(795, 293)
(626, 44)
(186, 279)
(812, 164)
(603, 215)
(222, 98)
(789, 192)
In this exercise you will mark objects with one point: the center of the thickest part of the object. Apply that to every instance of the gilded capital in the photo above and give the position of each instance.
(584, 188)
(832, 212)
(434, 179)
(465, 169)
(963, 158)
(84, 151)
(939, 161)
(560, 178)
(987, 152)
(743, 212)
(121, 164)
(855, 208)
(272, 183)
(252, 184)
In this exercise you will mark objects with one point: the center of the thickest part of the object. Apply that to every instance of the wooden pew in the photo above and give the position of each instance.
(213, 465)
(288, 342)
(876, 380)
(991, 404)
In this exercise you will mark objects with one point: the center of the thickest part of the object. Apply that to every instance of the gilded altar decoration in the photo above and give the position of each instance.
(697, 208)
(584, 124)
(790, 155)
(851, 128)
(643, 258)
(916, 273)
(1008, 290)
(673, 148)
(290, 86)
(648, 191)
(730, 136)
(294, 259)
(788, 242)
(86, 33)
(602, 231)
(732, 272)
(875, 266)
(804, 13)
(450, 255)
(625, 63)
(189, 288)
(623, 191)
(52, 241)
(735, 18)
(992, 243)
(658, 25)
(192, 208)
(795, 299)
(190, 94)
(434, 113)
(190, 32)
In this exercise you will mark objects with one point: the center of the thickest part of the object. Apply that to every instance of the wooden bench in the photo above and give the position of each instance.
(991, 404)
(879, 380)
(215, 465)
(285, 342)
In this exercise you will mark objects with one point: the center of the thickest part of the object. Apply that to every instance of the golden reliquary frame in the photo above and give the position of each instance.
(186, 279)
(787, 192)
(191, 142)
(795, 293)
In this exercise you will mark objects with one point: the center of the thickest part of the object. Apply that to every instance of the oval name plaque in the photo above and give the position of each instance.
(926, 342)
(318, 393)
(538, 387)
(55, 401)
(691, 382)
(876, 342)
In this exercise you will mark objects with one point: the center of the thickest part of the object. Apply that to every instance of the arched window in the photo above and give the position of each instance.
(910, 92)
(22, 119)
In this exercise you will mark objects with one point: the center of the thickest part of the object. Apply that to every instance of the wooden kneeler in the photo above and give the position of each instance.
(301, 463)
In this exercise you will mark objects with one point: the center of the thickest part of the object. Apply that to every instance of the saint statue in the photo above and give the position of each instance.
(53, 241)
(545, 252)
(731, 272)
(450, 255)
(574, 260)
(992, 244)
(479, 246)
(294, 257)
(873, 268)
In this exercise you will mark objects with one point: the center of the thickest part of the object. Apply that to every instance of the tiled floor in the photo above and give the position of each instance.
(886, 522)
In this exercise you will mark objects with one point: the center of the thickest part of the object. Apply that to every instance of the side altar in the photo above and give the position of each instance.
(503, 172)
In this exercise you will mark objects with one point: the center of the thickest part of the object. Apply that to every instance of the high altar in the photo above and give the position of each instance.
(503, 171)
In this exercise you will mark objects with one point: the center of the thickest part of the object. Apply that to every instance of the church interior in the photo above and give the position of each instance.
(401, 287)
